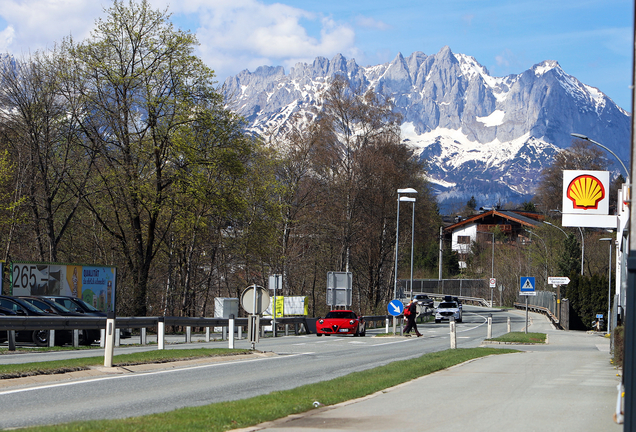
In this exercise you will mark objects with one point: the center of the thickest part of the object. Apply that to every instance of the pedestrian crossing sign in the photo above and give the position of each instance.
(527, 284)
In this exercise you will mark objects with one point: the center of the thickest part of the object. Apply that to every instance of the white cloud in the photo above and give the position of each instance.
(234, 34)
(368, 22)
(38, 24)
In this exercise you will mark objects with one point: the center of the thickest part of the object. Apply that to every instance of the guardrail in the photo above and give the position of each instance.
(74, 324)
(540, 309)
(464, 299)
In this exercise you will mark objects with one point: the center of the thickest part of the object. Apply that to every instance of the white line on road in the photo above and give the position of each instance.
(165, 371)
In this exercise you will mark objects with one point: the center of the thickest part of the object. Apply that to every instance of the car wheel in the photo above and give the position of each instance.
(357, 332)
(41, 338)
(318, 334)
(436, 321)
(363, 332)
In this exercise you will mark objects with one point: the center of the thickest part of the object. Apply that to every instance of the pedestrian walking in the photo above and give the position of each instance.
(410, 312)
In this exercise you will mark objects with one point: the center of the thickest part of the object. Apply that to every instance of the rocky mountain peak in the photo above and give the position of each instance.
(481, 135)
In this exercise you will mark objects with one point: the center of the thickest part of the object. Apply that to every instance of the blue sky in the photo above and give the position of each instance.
(591, 39)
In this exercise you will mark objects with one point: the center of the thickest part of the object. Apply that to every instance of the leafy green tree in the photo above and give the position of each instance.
(142, 91)
(43, 141)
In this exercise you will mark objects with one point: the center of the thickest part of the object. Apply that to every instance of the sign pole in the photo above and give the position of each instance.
(526, 314)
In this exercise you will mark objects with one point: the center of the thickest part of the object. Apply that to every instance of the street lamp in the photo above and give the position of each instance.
(397, 236)
(409, 199)
(586, 138)
(582, 242)
(609, 282)
(492, 266)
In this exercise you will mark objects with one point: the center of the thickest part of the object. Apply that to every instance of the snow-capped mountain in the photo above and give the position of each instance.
(482, 136)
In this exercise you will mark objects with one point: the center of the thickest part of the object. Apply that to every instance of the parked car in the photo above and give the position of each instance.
(6, 312)
(22, 308)
(424, 301)
(446, 310)
(453, 299)
(341, 322)
(78, 305)
(86, 336)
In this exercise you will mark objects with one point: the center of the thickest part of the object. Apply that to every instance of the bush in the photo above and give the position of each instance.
(619, 346)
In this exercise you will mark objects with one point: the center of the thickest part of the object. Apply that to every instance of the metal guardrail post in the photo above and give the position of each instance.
(188, 334)
(110, 340)
(51, 338)
(75, 338)
(161, 334)
(11, 339)
(207, 334)
(117, 337)
(231, 332)
(142, 336)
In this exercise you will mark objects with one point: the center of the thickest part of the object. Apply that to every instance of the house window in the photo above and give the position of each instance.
(463, 239)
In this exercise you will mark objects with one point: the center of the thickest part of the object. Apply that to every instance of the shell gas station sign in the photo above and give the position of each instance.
(586, 199)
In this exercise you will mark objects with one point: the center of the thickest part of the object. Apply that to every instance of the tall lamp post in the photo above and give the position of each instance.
(492, 263)
(409, 199)
(397, 237)
(582, 241)
(586, 138)
(609, 283)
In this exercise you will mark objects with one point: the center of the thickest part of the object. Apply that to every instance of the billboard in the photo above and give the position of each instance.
(94, 284)
(586, 199)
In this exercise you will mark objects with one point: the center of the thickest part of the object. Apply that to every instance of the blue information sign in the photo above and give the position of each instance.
(527, 284)
(396, 307)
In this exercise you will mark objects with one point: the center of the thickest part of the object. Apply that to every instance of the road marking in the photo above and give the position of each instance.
(141, 374)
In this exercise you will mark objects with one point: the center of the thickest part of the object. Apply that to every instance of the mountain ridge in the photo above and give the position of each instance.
(482, 136)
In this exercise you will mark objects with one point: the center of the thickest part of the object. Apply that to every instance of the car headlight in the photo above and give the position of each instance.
(321, 321)
(352, 322)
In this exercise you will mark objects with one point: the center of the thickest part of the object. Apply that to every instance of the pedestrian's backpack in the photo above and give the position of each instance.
(407, 311)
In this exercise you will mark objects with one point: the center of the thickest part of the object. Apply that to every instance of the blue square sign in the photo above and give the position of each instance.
(527, 284)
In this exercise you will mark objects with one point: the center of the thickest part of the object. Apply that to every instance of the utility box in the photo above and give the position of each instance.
(339, 289)
(224, 307)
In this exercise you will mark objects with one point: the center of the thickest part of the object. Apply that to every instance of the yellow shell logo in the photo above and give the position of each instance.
(586, 191)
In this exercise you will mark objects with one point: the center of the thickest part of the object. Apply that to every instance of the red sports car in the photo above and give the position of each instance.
(341, 322)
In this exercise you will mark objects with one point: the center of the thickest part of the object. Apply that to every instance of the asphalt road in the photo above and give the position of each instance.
(299, 360)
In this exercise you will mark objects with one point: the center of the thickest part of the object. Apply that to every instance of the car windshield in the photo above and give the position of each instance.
(341, 314)
(447, 305)
(421, 297)
(86, 305)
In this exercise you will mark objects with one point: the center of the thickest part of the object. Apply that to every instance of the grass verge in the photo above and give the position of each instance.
(243, 413)
(521, 338)
(70, 365)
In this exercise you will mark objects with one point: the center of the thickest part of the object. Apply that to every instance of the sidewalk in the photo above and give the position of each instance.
(566, 385)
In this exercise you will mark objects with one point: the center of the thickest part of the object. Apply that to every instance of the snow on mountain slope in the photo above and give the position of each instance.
(480, 135)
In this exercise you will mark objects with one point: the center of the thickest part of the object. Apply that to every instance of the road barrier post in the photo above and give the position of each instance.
(109, 340)
(509, 327)
(188, 334)
(142, 337)
(11, 337)
(51, 338)
(453, 338)
(102, 338)
(386, 321)
(489, 335)
(231, 332)
(223, 333)
(76, 338)
(161, 334)
(240, 333)
(286, 329)
(207, 334)
(117, 337)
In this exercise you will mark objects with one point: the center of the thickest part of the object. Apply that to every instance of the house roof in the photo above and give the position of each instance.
(522, 218)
